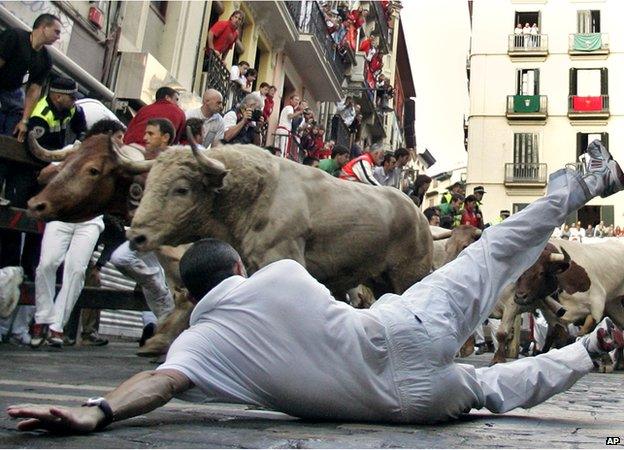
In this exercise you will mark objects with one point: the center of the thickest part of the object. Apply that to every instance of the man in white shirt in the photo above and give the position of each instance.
(290, 111)
(279, 339)
(243, 125)
(237, 73)
(384, 173)
(210, 112)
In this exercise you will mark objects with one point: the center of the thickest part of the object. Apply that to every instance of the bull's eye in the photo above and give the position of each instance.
(181, 191)
(94, 172)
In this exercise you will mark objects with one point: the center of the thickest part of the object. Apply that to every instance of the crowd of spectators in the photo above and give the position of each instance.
(576, 232)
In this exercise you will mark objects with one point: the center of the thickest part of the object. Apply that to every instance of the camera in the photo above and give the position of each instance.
(256, 114)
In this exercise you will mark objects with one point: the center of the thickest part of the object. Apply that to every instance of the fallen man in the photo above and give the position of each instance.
(278, 339)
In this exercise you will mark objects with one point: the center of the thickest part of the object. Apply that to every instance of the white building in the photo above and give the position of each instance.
(537, 99)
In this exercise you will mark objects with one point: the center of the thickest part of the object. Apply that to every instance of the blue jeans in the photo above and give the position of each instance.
(11, 110)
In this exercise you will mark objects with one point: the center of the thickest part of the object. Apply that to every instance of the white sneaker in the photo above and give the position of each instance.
(602, 174)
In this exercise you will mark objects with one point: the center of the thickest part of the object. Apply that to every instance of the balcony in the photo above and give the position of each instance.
(588, 44)
(381, 26)
(588, 108)
(314, 53)
(215, 75)
(527, 107)
(527, 45)
(526, 174)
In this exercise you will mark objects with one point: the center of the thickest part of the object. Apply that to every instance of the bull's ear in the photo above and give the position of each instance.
(574, 279)
(214, 182)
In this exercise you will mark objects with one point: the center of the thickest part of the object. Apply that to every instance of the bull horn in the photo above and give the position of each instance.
(209, 165)
(439, 235)
(134, 167)
(556, 257)
(47, 155)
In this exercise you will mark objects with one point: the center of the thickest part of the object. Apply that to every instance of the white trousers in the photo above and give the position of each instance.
(451, 302)
(72, 243)
(145, 269)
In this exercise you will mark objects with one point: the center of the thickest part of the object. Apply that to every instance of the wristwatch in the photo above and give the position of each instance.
(101, 403)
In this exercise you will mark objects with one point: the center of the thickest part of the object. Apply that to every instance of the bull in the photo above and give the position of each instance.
(270, 208)
(585, 279)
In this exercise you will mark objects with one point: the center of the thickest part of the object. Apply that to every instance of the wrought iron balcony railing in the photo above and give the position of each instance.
(528, 44)
(526, 173)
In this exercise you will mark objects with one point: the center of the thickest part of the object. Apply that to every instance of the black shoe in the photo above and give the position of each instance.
(148, 332)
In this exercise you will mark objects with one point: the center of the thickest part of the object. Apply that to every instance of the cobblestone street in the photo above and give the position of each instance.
(583, 417)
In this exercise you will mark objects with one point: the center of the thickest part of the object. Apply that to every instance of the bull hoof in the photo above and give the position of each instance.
(468, 348)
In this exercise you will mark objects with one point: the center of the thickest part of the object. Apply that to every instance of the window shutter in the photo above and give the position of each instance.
(536, 82)
(606, 214)
(518, 81)
(579, 145)
(573, 86)
(604, 81)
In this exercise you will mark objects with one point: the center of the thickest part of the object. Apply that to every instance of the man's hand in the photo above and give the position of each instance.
(247, 114)
(20, 130)
(56, 419)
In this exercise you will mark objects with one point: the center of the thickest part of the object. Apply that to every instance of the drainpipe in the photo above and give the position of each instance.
(61, 61)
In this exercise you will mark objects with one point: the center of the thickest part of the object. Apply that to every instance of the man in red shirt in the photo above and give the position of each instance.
(165, 107)
(223, 34)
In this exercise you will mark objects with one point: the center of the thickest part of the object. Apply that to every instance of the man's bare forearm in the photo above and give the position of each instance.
(32, 95)
(145, 392)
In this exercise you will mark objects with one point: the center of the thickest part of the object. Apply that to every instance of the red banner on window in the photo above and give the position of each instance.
(586, 103)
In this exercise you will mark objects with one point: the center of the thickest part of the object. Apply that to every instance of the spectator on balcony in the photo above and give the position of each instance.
(518, 35)
(384, 173)
(238, 72)
(339, 157)
(250, 78)
(338, 33)
(356, 125)
(165, 106)
(470, 216)
(243, 125)
(308, 135)
(534, 35)
(306, 15)
(526, 35)
(269, 102)
(346, 110)
(319, 143)
(310, 161)
(209, 113)
(290, 111)
(589, 232)
(361, 168)
(433, 216)
(223, 34)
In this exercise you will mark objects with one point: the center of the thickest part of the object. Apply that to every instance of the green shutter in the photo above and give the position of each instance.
(607, 215)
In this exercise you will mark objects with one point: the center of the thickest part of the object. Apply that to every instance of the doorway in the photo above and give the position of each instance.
(589, 215)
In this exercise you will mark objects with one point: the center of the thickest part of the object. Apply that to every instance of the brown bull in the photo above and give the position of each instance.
(96, 178)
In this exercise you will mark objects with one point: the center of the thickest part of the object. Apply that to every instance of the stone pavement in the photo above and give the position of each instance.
(582, 417)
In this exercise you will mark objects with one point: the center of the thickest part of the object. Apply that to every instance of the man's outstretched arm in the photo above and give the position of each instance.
(140, 394)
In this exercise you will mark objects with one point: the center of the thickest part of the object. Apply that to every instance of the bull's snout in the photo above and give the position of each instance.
(138, 242)
(38, 207)
(521, 298)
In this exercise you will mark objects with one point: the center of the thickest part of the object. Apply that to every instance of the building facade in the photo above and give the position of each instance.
(543, 84)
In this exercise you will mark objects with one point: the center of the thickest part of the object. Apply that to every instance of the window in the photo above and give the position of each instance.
(517, 207)
(589, 82)
(588, 21)
(160, 7)
(527, 82)
(583, 140)
(526, 148)
(530, 17)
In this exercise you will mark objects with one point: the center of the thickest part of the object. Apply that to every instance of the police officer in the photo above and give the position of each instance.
(56, 113)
